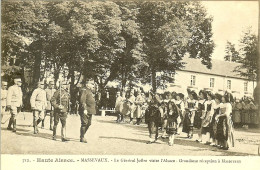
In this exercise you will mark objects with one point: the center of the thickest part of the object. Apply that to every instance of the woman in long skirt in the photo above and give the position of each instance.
(200, 114)
(213, 123)
(225, 125)
(190, 110)
(180, 104)
(207, 118)
(172, 115)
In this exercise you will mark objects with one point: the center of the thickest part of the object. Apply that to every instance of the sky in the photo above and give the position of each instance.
(230, 19)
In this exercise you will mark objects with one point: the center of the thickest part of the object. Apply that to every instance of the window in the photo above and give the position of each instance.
(229, 84)
(211, 82)
(193, 80)
(245, 86)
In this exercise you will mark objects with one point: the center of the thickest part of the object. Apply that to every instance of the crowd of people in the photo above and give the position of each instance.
(213, 115)
(173, 113)
(43, 101)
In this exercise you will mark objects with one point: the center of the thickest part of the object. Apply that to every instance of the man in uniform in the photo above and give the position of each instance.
(131, 101)
(38, 104)
(60, 102)
(49, 109)
(14, 102)
(3, 99)
(87, 108)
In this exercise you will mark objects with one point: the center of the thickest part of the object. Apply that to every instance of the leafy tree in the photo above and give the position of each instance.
(231, 53)
(249, 57)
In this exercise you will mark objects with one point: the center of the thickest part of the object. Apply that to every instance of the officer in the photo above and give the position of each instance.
(3, 99)
(87, 107)
(14, 102)
(60, 102)
(38, 104)
(49, 109)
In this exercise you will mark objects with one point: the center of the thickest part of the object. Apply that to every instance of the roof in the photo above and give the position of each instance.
(219, 67)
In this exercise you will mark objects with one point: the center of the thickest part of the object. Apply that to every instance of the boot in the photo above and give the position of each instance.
(38, 121)
(82, 133)
(51, 128)
(131, 120)
(63, 138)
(9, 127)
(138, 121)
(14, 125)
(42, 123)
(54, 132)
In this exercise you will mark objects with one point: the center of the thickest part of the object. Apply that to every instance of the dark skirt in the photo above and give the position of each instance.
(197, 119)
(236, 116)
(171, 127)
(222, 129)
(213, 127)
(253, 117)
(187, 123)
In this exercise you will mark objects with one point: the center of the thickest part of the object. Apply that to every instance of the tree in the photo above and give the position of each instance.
(170, 30)
(249, 57)
(231, 53)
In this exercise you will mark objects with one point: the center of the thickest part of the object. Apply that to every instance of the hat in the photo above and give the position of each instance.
(218, 96)
(180, 95)
(209, 93)
(194, 94)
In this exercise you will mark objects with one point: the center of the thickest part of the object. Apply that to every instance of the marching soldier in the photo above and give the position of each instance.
(87, 108)
(131, 101)
(3, 99)
(14, 102)
(38, 104)
(139, 101)
(49, 109)
(60, 102)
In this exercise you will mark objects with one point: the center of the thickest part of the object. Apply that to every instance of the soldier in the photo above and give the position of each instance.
(3, 99)
(87, 107)
(49, 109)
(60, 102)
(139, 101)
(131, 101)
(14, 102)
(38, 104)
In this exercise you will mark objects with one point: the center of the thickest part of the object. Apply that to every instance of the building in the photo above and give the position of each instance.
(220, 77)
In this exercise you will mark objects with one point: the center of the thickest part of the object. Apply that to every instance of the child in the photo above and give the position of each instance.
(172, 115)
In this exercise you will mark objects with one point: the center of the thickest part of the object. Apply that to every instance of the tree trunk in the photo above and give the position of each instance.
(153, 77)
(257, 89)
(73, 92)
(37, 68)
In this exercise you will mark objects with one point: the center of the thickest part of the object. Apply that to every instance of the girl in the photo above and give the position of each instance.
(180, 104)
(200, 114)
(224, 126)
(190, 110)
(209, 111)
(172, 115)
(213, 123)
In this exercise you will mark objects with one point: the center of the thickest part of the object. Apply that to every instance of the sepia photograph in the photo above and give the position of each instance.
(143, 78)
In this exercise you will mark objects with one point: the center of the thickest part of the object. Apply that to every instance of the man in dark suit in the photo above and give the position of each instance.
(87, 107)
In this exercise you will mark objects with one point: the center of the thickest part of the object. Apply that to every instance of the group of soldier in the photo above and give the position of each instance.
(54, 102)
(174, 113)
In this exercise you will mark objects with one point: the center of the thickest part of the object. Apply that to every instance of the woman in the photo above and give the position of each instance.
(180, 105)
(172, 115)
(207, 118)
(213, 124)
(190, 110)
(200, 114)
(224, 127)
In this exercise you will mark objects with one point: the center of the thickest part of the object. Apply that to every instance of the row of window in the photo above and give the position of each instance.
(212, 83)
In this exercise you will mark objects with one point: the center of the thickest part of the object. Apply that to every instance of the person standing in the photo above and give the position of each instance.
(200, 114)
(49, 109)
(190, 111)
(119, 100)
(131, 101)
(180, 105)
(172, 115)
(38, 104)
(60, 102)
(153, 118)
(139, 101)
(14, 102)
(87, 108)
(3, 99)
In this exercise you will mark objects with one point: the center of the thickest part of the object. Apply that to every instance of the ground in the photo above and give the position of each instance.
(106, 137)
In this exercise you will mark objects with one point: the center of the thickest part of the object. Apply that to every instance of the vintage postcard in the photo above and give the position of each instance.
(130, 84)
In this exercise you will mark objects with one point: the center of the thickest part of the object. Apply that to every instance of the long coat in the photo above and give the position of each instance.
(87, 101)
